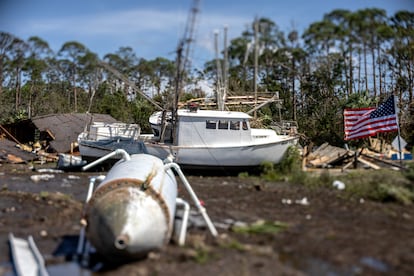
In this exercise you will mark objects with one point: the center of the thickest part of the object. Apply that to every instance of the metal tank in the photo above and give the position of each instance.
(132, 210)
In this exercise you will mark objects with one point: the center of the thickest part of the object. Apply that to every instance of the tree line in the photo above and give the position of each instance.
(347, 59)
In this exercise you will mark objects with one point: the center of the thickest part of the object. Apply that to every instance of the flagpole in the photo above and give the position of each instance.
(398, 128)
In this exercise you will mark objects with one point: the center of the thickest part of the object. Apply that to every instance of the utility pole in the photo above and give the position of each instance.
(183, 62)
(219, 85)
(256, 45)
(226, 67)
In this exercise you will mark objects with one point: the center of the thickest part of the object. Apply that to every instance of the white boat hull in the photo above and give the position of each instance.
(91, 150)
(227, 156)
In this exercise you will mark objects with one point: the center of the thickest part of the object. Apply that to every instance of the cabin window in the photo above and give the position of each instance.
(211, 124)
(245, 126)
(223, 124)
(234, 125)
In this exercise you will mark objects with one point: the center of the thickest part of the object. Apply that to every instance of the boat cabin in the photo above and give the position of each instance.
(206, 127)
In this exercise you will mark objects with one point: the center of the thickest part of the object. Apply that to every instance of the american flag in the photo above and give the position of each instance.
(364, 122)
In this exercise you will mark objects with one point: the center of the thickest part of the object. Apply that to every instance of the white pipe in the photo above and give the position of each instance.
(194, 197)
(183, 229)
(92, 185)
(38, 257)
(81, 240)
(125, 156)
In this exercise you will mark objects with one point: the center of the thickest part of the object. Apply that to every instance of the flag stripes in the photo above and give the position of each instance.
(363, 122)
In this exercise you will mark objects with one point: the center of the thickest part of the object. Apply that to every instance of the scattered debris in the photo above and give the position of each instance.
(303, 201)
(9, 153)
(338, 184)
(41, 139)
(376, 156)
(70, 162)
(326, 156)
(39, 177)
(261, 227)
(375, 264)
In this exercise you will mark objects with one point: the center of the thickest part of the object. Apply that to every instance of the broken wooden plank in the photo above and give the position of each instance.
(327, 154)
(366, 162)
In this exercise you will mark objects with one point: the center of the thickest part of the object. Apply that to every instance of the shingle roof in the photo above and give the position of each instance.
(66, 127)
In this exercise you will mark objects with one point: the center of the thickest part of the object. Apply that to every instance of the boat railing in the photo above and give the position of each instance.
(116, 131)
(285, 127)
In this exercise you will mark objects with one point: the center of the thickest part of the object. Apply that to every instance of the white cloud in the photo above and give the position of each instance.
(114, 23)
(152, 32)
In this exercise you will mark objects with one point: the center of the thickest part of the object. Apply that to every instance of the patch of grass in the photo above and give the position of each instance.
(261, 227)
(233, 244)
(316, 181)
(243, 175)
(380, 185)
(289, 167)
(203, 256)
(409, 172)
(44, 194)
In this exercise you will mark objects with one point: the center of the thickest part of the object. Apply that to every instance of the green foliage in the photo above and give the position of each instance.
(115, 105)
(261, 227)
(314, 181)
(290, 166)
(141, 110)
(380, 185)
(409, 172)
(234, 244)
(243, 175)
(44, 194)
(202, 256)
(359, 100)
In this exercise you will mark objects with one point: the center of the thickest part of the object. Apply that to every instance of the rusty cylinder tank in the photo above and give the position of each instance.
(132, 210)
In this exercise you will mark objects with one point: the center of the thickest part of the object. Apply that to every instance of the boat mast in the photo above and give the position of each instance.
(226, 67)
(256, 44)
(219, 81)
(183, 63)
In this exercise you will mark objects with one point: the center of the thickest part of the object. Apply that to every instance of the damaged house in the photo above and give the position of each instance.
(55, 133)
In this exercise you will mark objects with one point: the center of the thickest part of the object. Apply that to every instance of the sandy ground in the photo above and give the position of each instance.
(322, 233)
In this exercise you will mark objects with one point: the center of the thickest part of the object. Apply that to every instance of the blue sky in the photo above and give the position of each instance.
(153, 27)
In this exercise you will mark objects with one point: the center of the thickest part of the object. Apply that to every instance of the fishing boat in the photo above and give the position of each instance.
(214, 139)
(101, 138)
(201, 139)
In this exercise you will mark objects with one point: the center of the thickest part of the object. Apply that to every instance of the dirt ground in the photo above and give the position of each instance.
(330, 235)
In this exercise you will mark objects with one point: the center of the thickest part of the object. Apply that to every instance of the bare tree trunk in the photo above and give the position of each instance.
(18, 97)
(29, 111)
(293, 90)
(1, 74)
(374, 69)
(75, 96)
(380, 71)
(359, 70)
(351, 75)
(365, 68)
(410, 81)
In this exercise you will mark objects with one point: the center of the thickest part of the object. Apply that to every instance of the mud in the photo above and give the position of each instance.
(323, 233)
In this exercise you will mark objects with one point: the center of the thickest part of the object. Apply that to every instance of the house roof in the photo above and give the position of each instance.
(9, 147)
(65, 128)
